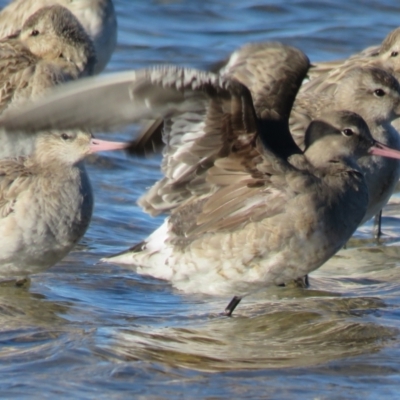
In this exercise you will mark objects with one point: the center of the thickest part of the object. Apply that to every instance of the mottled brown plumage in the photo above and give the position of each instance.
(242, 215)
(51, 48)
(372, 93)
(96, 16)
(46, 201)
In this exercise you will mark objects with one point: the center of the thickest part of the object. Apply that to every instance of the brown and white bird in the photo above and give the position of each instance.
(384, 56)
(45, 196)
(46, 201)
(247, 208)
(96, 16)
(372, 93)
(51, 48)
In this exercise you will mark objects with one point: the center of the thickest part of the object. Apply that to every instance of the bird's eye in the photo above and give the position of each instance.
(394, 54)
(61, 55)
(35, 32)
(347, 132)
(379, 92)
(64, 136)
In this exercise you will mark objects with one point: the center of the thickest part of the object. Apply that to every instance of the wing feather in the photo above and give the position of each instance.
(13, 181)
(212, 139)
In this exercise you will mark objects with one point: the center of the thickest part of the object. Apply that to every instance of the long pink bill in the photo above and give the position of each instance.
(379, 149)
(103, 145)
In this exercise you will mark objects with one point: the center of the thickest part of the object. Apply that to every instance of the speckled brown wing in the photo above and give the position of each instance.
(211, 130)
(240, 196)
(23, 75)
(210, 144)
(14, 179)
(17, 66)
(273, 73)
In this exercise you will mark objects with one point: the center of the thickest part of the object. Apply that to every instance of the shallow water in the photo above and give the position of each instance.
(85, 329)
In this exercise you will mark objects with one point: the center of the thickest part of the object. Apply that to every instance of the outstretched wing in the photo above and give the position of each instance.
(272, 72)
(213, 158)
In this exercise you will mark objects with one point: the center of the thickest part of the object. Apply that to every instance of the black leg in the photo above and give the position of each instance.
(303, 282)
(232, 305)
(378, 225)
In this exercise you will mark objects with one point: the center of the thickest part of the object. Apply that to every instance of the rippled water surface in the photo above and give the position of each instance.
(88, 330)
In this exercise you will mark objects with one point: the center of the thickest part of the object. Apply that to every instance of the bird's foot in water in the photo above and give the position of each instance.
(232, 305)
(377, 229)
(302, 282)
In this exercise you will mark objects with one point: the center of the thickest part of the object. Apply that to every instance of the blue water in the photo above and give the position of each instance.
(89, 330)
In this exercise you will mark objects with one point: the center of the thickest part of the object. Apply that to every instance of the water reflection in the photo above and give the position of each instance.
(291, 334)
(90, 330)
(31, 327)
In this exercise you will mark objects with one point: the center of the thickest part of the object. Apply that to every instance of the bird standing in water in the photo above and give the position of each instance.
(46, 201)
(248, 208)
(385, 56)
(364, 85)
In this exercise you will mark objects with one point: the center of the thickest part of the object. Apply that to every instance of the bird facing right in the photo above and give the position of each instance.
(243, 213)
(46, 201)
(372, 93)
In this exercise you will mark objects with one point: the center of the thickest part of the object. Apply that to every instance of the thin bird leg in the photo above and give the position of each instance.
(302, 282)
(232, 305)
(378, 225)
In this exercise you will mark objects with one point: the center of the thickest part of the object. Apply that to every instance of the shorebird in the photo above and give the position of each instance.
(96, 16)
(46, 201)
(369, 91)
(355, 86)
(247, 207)
(51, 48)
(372, 93)
(385, 56)
(45, 196)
